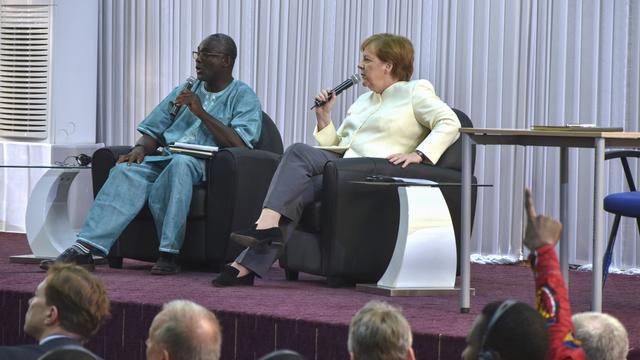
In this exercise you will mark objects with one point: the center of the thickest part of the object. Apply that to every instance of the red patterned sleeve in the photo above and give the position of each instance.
(552, 301)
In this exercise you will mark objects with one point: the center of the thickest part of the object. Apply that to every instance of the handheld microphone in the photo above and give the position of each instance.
(174, 108)
(352, 80)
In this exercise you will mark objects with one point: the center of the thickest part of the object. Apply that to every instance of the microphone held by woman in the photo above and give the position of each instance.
(352, 80)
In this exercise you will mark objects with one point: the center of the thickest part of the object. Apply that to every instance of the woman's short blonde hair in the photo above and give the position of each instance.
(393, 49)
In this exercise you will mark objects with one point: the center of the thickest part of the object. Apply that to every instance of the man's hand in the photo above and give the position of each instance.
(191, 100)
(136, 155)
(541, 230)
(404, 159)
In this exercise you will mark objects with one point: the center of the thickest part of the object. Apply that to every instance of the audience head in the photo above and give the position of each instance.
(184, 330)
(603, 336)
(379, 331)
(507, 330)
(69, 301)
(393, 49)
(283, 355)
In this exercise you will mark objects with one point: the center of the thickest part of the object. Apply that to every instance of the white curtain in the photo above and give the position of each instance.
(508, 64)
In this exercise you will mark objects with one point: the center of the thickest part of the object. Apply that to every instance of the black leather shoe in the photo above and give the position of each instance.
(71, 256)
(229, 277)
(166, 265)
(252, 237)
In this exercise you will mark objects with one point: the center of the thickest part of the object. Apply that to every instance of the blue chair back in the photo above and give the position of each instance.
(620, 204)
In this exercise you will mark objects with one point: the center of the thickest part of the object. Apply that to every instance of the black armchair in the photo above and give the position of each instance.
(230, 199)
(349, 235)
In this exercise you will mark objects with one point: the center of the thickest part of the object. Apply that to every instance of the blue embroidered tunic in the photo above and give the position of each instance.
(237, 106)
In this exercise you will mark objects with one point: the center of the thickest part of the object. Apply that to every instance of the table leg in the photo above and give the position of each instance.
(598, 218)
(564, 218)
(465, 266)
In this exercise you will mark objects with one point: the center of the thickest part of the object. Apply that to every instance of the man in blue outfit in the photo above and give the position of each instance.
(217, 111)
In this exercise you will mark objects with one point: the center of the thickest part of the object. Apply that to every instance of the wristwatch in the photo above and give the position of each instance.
(424, 157)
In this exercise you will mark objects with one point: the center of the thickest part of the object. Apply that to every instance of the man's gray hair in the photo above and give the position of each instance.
(188, 331)
(603, 336)
(378, 331)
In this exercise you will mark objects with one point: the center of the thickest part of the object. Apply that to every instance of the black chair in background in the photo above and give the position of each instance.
(349, 234)
(621, 204)
(230, 199)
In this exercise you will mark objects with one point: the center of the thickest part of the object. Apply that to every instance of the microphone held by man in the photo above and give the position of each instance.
(175, 107)
(352, 80)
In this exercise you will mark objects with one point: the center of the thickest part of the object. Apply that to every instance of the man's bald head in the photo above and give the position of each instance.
(184, 330)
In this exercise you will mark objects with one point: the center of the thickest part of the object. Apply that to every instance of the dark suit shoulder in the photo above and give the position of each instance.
(59, 342)
(34, 351)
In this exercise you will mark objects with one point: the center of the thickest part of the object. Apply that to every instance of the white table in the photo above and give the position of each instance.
(425, 257)
(48, 227)
(563, 139)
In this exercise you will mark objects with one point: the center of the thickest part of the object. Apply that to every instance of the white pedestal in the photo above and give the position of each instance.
(49, 229)
(48, 204)
(424, 258)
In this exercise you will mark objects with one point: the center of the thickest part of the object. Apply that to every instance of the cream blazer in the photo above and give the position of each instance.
(408, 115)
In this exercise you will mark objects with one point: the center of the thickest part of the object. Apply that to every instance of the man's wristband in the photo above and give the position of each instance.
(424, 157)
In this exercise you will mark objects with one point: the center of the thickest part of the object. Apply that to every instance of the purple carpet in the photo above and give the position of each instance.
(306, 315)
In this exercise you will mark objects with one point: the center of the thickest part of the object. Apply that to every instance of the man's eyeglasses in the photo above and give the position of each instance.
(203, 54)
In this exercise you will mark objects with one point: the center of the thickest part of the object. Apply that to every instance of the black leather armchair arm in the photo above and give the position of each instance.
(238, 180)
(101, 163)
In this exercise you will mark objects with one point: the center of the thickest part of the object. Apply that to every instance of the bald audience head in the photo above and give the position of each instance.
(184, 330)
(603, 336)
(378, 331)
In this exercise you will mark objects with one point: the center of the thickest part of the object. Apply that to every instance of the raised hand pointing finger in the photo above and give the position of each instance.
(528, 205)
(541, 230)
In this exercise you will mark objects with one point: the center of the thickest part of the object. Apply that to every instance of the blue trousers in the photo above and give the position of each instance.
(166, 184)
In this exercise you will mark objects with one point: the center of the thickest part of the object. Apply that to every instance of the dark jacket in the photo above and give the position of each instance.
(34, 351)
